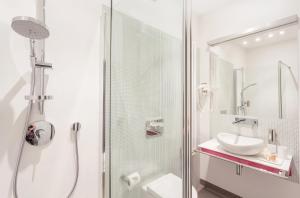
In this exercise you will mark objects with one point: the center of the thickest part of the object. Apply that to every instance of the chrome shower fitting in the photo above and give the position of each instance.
(34, 30)
(281, 64)
(75, 128)
(154, 127)
(37, 132)
(244, 104)
(41, 97)
(40, 133)
(43, 65)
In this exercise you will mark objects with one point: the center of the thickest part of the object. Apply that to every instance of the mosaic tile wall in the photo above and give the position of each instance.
(145, 83)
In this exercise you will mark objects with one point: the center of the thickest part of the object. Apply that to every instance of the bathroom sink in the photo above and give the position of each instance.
(240, 145)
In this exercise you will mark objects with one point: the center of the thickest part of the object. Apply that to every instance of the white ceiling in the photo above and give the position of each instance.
(204, 6)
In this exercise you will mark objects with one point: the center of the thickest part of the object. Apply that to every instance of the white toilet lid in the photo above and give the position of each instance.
(167, 186)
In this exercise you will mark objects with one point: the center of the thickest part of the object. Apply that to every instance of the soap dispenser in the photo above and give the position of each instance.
(272, 139)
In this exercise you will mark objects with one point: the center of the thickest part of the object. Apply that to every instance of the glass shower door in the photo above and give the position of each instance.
(144, 95)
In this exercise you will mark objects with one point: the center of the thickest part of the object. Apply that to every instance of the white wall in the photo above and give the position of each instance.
(262, 68)
(75, 82)
(236, 17)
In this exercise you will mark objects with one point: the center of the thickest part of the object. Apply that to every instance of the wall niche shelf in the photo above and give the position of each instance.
(256, 162)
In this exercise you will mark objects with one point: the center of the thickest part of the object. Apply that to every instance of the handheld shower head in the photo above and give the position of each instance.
(30, 27)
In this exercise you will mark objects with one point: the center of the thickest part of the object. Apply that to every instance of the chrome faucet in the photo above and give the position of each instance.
(246, 121)
(238, 120)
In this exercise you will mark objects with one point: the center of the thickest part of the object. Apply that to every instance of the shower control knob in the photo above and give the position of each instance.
(40, 133)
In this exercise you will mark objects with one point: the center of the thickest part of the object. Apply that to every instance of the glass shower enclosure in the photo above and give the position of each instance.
(145, 95)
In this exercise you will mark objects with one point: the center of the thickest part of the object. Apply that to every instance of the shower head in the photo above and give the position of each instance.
(283, 64)
(29, 27)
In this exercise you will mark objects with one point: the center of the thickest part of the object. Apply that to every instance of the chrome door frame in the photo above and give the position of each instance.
(187, 100)
(106, 87)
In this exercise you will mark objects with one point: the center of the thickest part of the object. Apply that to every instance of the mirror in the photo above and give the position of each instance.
(257, 74)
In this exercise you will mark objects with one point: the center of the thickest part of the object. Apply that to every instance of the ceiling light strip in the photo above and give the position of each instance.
(292, 20)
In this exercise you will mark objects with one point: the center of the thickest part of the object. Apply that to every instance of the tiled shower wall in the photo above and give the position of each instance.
(287, 133)
(145, 83)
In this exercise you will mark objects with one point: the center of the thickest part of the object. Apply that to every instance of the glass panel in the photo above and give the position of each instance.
(145, 128)
(223, 85)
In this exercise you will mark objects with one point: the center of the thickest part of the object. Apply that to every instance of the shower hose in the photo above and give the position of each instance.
(21, 148)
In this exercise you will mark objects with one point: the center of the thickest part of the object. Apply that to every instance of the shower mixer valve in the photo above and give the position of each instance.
(38, 132)
(154, 127)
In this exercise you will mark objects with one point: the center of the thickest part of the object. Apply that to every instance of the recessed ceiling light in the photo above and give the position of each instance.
(258, 39)
(282, 32)
(250, 30)
(270, 35)
(245, 42)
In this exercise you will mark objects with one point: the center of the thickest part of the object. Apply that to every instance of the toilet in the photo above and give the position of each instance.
(167, 186)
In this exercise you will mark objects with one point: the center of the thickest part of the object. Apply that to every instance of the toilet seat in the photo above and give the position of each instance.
(167, 186)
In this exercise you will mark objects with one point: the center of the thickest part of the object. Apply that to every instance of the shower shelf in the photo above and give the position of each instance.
(39, 98)
(213, 148)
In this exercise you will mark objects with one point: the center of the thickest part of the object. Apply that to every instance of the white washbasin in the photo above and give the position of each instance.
(240, 145)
